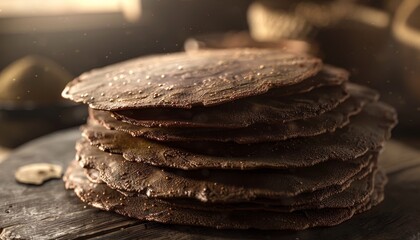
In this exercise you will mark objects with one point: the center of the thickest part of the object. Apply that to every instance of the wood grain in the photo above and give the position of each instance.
(51, 212)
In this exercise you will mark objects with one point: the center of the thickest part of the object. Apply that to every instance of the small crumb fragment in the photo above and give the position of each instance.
(38, 173)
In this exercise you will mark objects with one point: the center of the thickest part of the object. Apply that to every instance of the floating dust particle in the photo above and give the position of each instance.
(38, 173)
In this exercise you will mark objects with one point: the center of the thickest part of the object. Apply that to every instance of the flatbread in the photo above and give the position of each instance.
(327, 122)
(143, 208)
(366, 132)
(241, 113)
(328, 76)
(304, 199)
(215, 185)
(358, 192)
(184, 80)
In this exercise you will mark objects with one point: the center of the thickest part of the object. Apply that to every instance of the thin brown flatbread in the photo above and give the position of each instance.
(216, 185)
(358, 192)
(241, 113)
(366, 132)
(304, 199)
(326, 122)
(185, 80)
(141, 207)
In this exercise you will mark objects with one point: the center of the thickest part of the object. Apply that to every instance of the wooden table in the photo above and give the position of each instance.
(4, 152)
(51, 212)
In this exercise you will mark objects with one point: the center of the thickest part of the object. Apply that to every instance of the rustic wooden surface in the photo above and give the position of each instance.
(4, 152)
(51, 212)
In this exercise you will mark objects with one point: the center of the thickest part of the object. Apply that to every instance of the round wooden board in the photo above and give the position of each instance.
(51, 212)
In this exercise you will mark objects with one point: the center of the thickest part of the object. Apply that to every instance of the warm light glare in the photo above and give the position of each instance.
(402, 31)
(131, 9)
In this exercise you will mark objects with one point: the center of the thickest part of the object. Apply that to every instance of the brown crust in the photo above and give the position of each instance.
(216, 185)
(241, 113)
(326, 122)
(184, 80)
(367, 131)
(358, 192)
(100, 196)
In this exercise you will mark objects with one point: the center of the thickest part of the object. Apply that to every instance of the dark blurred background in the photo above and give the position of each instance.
(85, 41)
(53, 41)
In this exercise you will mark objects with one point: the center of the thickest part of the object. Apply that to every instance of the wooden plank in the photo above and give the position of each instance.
(4, 152)
(51, 212)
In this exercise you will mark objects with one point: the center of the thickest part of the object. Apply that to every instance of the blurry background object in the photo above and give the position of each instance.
(130, 9)
(244, 40)
(31, 103)
(32, 81)
(350, 35)
(406, 30)
(90, 39)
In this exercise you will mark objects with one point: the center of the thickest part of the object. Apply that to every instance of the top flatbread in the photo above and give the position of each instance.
(184, 80)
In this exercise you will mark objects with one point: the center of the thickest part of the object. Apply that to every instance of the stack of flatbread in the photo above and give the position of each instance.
(240, 138)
